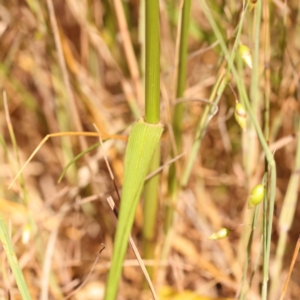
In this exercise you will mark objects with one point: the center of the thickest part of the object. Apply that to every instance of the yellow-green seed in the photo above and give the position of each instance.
(256, 195)
(221, 234)
(246, 55)
(240, 115)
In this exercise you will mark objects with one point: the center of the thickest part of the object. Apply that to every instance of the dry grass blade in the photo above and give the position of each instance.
(60, 134)
(164, 165)
(291, 268)
(128, 49)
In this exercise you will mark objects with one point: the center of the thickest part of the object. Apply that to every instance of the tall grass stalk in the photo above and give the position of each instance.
(255, 96)
(267, 58)
(202, 125)
(152, 70)
(179, 108)
(255, 103)
(252, 148)
(143, 142)
(152, 115)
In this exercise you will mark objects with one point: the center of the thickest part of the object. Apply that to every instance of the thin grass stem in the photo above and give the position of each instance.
(152, 72)
(152, 115)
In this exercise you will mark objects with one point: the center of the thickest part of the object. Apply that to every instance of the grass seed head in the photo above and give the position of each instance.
(240, 115)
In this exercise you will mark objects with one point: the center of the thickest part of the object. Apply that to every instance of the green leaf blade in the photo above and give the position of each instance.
(142, 142)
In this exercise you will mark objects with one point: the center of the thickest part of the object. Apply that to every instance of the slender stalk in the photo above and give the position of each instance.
(152, 74)
(152, 115)
(181, 78)
(205, 118)
(150, 209)
(267, 58)
(255, 96)
(179, 108)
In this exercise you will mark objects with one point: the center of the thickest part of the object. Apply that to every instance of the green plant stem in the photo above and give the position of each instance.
(13, 261)
(152, 72)
(150, 209)
(181, 77)
(152, 115)
(179, 108)
(208, 111)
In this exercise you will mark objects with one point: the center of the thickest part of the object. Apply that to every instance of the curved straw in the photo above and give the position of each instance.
(58, 134)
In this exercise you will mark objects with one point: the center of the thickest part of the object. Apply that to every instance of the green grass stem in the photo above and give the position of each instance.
(179, 108)
(152, 115)
(181, 72)
(13, 261)
(150, 210)
(200, 131)
(152, 71)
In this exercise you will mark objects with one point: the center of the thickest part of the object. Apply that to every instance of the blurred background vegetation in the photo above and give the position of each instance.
(58, 228)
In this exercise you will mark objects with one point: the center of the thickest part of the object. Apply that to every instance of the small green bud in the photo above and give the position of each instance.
(221, 234)
(240, 115)
(256, 196)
